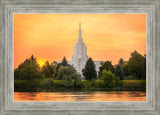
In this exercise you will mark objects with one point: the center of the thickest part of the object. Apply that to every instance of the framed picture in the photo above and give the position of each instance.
(80, 57)
(122, 77)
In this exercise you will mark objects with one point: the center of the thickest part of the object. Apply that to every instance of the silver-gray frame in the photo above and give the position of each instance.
(7, 10)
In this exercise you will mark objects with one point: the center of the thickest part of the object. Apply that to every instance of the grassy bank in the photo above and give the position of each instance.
(94, 85)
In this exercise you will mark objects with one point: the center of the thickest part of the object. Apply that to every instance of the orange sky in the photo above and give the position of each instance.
(52, 36)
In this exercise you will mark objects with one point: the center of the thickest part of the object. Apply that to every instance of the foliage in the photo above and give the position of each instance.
(16, 74)
(108, 78)
(118, 72)
(63, 63)
(86, 84)
(58, 84)
(121, 62)
(144, 68)
(118, 82)
(69, 75)
(48, 70)
(134, 81)
(134, 84)
(99, 84)
(106, 66)
(130, 78)
(125, 70)
(29, 69)
(48, 84)
(67, 81)
(19, 84)
(30, 72)
(89, 71)
(136, 65)
(77, 80)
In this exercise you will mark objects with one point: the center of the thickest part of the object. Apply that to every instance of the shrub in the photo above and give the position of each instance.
(58, 83)
(69, 76)
(19, 84)
(48, 84)
(99, 84)
(108, 78)
(77, 81)
(86, 84)
(67, 81)
(118, 82)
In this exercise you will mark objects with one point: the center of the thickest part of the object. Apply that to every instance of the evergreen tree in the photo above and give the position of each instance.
(64, 61)
(118, 72)
(121, 62)
(89, 71)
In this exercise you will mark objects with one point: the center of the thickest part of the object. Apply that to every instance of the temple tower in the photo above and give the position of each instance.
(79, 57)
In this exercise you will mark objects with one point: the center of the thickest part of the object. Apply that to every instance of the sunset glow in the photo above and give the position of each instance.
(41, 61)
(53, 36)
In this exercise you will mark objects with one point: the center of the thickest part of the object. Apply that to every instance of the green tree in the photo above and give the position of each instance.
(64, 61)
(106, 66)
(136, 65)
(28, 70)
(118, 72)
(57, 68)
(16, 74)
(48, 69)
(68, 75)
(125, 69)
(118, 82)
(144, 68)
(48, 84)
(108, 78)
(89, 71)
(121, 62)
(77, 80)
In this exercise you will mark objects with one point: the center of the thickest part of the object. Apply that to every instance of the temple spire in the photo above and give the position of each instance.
(79, 29)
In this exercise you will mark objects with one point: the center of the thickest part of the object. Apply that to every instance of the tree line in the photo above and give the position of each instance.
(134, 67)
(30, 70)
(111, 74)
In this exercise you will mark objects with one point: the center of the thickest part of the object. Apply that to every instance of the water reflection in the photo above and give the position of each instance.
(81, 96)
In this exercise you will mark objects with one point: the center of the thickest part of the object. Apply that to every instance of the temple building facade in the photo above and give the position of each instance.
(80, 57)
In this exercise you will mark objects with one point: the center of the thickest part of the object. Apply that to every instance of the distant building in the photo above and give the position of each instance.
(80, 57)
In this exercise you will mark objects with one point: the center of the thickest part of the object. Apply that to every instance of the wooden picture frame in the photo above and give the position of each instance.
(9, 7)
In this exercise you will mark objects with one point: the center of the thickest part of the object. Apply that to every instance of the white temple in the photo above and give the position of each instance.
(80, 57)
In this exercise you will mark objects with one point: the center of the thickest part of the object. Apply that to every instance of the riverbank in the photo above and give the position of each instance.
(50, 85)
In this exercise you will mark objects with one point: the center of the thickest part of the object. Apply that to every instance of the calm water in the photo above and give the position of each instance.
(81, 96)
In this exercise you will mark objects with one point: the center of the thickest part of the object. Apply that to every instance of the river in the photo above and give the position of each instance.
(81, 96)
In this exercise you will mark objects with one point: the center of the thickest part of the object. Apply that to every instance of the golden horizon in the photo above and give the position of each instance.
(53, 36)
